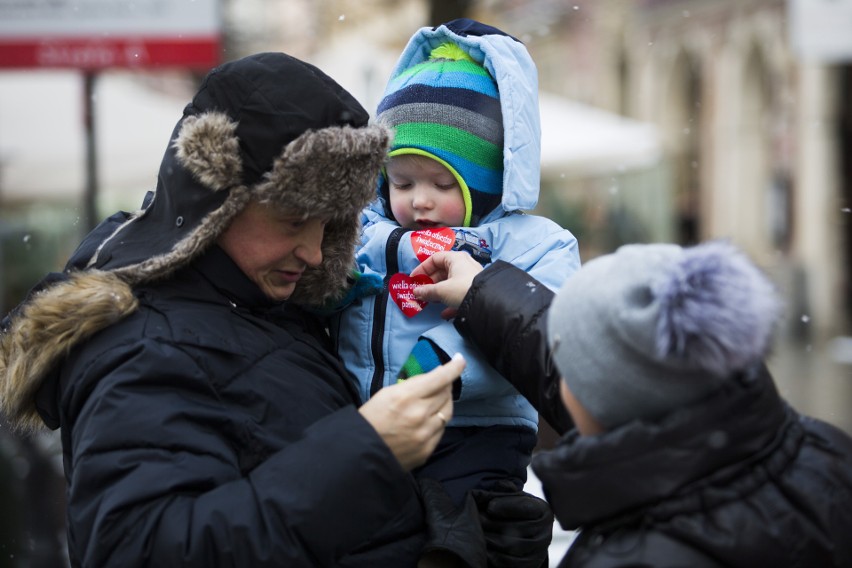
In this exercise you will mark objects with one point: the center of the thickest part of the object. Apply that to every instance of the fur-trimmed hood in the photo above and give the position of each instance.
(267, 127)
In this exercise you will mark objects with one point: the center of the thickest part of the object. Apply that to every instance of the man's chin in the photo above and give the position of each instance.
(281, 292)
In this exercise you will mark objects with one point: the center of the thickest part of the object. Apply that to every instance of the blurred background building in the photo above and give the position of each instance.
(662, 120)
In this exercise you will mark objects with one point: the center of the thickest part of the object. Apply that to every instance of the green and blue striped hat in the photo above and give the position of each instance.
(448, 108)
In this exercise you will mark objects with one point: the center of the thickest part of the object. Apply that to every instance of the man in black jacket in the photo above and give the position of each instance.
(204, 419)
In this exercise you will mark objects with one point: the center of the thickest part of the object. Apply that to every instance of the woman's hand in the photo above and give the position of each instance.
(453, 273)
(411, 416)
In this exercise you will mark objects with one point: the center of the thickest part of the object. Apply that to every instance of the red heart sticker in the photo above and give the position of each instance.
(429, 241)
(401, 289)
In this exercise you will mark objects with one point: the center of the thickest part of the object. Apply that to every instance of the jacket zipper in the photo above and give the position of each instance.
(380, 308)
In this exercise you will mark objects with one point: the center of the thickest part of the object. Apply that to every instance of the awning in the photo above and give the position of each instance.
(580, 140)
(42, 136)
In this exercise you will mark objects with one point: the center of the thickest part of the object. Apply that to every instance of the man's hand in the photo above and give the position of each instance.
(411, 416)
(453, 273)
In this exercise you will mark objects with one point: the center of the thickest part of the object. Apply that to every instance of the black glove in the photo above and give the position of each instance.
(455, 536)
(518, 527)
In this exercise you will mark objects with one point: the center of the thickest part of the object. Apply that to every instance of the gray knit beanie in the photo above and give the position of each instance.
(640, 332)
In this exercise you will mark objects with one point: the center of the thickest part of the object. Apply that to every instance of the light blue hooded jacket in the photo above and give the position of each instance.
(373, 335)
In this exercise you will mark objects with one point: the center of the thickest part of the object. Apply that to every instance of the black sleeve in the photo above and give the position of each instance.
(505, 314)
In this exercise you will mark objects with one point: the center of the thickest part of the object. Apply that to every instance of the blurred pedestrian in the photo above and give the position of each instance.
(684, 454)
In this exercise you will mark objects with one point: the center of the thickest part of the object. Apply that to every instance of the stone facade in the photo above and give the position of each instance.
(753, 135)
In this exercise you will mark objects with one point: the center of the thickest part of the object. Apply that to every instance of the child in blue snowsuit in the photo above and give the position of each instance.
(464, 163)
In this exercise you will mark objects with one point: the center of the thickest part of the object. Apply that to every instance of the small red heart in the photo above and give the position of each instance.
(429, 241)
(401, 289)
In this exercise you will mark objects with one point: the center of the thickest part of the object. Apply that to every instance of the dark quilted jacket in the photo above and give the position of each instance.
(210, 428)
(738, 479)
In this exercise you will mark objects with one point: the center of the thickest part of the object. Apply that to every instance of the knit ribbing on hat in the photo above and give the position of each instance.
(449, 107)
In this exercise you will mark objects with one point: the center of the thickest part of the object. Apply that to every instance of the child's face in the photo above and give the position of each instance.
(423, 193)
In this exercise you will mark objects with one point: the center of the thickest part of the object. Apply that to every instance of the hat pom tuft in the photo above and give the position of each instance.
(451, 51)
(717, 310)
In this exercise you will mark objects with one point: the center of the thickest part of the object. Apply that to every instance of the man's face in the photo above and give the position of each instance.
(273, 247)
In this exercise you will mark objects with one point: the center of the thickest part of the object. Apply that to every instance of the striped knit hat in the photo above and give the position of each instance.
(448, 108)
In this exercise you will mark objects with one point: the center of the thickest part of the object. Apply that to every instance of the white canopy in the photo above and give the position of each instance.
(581, 140)
(42, 138)
(42, 135)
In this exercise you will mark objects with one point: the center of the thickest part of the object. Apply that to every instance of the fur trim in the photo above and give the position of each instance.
(56, 319)
(207, 146)
(717, 310)
(328, 281)
(328, 173)
(192, 245)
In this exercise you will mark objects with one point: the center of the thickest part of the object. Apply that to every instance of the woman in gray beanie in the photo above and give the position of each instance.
(683, 454)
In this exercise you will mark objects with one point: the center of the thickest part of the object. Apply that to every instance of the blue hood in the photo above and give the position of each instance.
(510, 64)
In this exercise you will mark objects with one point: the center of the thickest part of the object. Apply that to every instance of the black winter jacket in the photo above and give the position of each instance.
(209, 416)
(201, 424)
(738, 479)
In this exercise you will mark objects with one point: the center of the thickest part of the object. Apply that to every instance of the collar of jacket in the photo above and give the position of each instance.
(671, 465)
